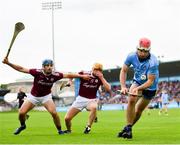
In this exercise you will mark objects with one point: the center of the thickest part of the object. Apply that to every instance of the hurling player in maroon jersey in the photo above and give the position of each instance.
(44, 79)
(87, 97)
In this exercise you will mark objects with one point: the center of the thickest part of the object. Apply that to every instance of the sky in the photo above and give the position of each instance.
(85, 32)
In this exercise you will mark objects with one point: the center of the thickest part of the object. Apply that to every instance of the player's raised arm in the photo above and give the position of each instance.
(76, 75)
(15, 66)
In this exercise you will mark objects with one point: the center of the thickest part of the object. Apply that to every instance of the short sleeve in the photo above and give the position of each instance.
(129, 59)
(34, 72)
(153, 70)
(58, 75)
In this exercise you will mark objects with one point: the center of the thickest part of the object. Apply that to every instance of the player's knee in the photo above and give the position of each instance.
(22, 112)
(93, 109)
(54, 113)
(67, 118)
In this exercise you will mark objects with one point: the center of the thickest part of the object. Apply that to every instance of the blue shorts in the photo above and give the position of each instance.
(148, 94)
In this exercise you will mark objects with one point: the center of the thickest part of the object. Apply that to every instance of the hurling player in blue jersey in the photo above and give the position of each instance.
(144, 85)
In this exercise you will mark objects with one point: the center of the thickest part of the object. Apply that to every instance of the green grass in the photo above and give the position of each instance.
(151, 129)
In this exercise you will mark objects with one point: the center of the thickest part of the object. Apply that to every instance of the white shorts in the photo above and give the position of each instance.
(39, 100)
(82, 102)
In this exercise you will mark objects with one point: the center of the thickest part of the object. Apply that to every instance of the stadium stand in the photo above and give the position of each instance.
(169, 79)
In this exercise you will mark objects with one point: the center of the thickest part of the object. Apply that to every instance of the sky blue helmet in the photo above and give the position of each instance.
(47, 62)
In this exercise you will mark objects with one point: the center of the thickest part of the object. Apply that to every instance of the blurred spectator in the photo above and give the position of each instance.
(21, 95)
(177, 98)
(165, 102)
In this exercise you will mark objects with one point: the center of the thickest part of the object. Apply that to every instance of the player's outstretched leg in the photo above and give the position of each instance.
(22, 119)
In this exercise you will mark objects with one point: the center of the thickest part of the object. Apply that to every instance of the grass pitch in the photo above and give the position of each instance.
(151, 129)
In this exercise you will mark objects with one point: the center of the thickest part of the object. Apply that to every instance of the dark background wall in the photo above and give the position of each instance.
(167, 69)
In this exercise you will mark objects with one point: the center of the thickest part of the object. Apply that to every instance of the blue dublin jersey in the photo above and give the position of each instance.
(143, 69)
